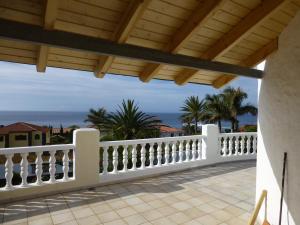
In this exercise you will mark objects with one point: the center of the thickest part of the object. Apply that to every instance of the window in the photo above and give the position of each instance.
(20, 137)
(37, 137)
(1, 138)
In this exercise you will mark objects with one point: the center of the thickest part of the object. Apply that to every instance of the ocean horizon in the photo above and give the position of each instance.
(67, 118)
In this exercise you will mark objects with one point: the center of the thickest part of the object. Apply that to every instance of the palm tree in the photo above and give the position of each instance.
(187, 121)
(129, 122)
(215, 109)
(234, 99)
(193, 109)
(97, 118)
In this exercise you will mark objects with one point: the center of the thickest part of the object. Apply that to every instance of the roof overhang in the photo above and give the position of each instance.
(207, 42)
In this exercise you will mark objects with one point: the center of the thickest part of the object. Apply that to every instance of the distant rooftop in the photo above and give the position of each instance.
(21, 127)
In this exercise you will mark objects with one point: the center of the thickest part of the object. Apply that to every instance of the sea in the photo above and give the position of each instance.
(66, 119)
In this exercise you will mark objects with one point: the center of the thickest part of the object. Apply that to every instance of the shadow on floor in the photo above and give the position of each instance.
(161, 184)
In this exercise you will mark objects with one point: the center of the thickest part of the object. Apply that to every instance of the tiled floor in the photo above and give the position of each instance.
(223, 194)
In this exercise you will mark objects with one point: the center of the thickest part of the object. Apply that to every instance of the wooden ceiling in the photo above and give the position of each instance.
(239, 32)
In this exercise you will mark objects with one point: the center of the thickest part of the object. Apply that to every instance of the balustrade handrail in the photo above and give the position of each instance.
(237, 134)
(43, 148)
(149, 140)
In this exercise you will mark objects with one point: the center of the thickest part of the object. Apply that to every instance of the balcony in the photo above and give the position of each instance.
(202, 179)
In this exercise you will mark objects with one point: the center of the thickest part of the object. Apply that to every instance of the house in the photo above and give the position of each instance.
(166, 131)
(23, 134)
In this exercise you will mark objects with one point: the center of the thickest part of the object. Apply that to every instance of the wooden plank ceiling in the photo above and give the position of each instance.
(240, 32)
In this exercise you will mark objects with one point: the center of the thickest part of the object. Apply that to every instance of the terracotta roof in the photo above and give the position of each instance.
(167, 129)
(22, 127)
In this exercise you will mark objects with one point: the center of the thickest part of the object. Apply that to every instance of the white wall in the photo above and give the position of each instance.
(279, 126)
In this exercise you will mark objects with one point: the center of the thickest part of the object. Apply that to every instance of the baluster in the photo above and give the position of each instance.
(242, 145)
(194, 150)
(204, 148)
(199, 149)
(224, 149)
(24, 169)
(115, 159)
(125, 158)
(66, 165)
(159, 154)
(180, 151)
(9, 171)
(39, 168)
(187, 151)
(143, 158)
(52, 168)
(173, 152)
(151, 155)
(254, 143)
(105, 160)
(134, 157)
(248, 144)
(230, 146)
(237, 145)
(167, 151)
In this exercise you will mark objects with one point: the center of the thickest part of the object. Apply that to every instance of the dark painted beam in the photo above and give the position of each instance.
(38, 35)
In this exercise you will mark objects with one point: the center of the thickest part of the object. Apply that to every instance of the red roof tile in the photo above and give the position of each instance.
(168, 129)
(22, 127)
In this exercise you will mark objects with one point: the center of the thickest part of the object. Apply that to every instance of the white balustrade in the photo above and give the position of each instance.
(199, 149)
(125, 158)
(157, 152)
(173, 152)
(194, 150)
(134, 157)
(181, 152)
(159, 156)
(9, 171)
(187, 151)
(147, 156)
(167, 153)
(115, 159)
(24, 169)
(43, 155)
(66, 164)
(242, 145)
(52, 168)
(105, 160)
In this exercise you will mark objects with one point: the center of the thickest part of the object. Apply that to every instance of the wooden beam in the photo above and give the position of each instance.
(133, 13)
(253, 60)
(49, 21)
(61, 39)
(205, 10)
(241, 30)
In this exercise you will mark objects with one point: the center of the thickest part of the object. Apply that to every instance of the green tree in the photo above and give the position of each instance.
(129, 122)
(193, 110)
(98, 118)
(216, 109)
(234, 99)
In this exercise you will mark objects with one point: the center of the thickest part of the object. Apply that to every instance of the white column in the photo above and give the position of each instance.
(87, 160)
(210, 144)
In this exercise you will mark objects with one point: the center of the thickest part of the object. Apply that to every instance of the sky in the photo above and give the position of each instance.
(24, 89)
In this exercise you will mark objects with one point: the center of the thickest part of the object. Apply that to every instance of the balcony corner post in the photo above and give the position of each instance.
(210, 148)
(86, 165)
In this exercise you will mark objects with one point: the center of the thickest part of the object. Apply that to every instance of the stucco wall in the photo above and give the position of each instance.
(279, 126)
(48, 137)
(17, 143)
(34, 141)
